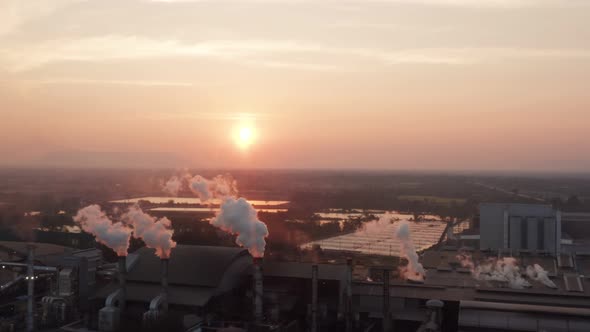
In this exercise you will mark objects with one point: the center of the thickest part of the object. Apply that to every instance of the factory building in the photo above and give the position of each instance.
(199, 280)
(517, 279)
(576, 224)
(289, 295)
(212, 289)
(520, 227)
(480, 304)
(45, 284)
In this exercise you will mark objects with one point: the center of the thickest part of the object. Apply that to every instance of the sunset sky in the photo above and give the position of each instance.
(391, 84)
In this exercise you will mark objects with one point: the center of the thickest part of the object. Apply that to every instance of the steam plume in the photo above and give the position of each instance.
(236, 215)
(156, 233)
(414, 270)
(504, 269)
(219, 187)
(536, 272)
(114, 235)
(172, 186)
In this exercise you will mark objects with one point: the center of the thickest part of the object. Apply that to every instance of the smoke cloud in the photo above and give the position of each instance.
(156, 233)
(493, 269)
(236, 215)
(172, 186)
(220, 186)
(114, 235)
(414, 270)
(536, 272)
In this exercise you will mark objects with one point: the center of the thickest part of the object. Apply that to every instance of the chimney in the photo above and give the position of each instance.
(348, 303)
(122, 263)
(165, 262)
(386, 316)
(258, 290)
(314, 298)
(30, 288)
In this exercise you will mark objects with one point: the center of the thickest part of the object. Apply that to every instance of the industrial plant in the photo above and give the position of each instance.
(506, 269)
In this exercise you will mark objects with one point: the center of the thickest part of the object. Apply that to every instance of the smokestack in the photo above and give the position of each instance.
(30, 288)
(122, 281)
(386, 320)
(314, 298)
(165, 276)
(258, 290)
(165, 263)
(348, 304)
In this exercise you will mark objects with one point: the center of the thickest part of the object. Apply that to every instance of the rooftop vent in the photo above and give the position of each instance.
(573, 283)
(565, 261)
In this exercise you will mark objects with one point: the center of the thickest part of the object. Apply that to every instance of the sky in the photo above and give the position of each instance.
(359, 84)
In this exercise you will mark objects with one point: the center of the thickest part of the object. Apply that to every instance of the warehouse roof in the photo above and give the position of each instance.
(303, 270)
(447, 280)
(195, 274)
(189, 265)
(45, 253)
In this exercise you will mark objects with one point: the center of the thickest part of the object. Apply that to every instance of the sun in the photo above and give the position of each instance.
(245, 137)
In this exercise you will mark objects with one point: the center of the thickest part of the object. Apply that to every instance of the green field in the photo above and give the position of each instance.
(432, 199)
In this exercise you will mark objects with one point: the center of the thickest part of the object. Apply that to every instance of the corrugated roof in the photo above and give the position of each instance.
(189, 265)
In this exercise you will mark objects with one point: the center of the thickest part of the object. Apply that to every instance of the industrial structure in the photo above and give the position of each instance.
(517, 277)
(45, 285)
(520, 226)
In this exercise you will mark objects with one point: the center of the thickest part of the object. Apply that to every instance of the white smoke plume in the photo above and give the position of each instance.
(219, 187)
(493, 269)
(536, 272)
(414, 270)
(238, 216)
(172, 186)
(503, 269)
(114, 235)
(156, 233)
(200, 186)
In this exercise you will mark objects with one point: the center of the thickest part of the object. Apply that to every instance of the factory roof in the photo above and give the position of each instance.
(383, 241)
(195, 274)
(45, 253)
(447, 280)
(303, 270)
(188, 265)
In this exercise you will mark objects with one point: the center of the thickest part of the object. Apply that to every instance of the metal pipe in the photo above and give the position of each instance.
(348, 303)
(386, 317)
(30, 321)
(258, 290)
(527, 308)
(122, 262)
(165, 263)
(4, 265)
(314, 298)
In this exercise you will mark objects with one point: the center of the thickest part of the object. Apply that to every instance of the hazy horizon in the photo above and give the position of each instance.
(429, 85)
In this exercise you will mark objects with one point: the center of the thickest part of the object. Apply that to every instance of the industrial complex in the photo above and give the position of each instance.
(508, 270)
